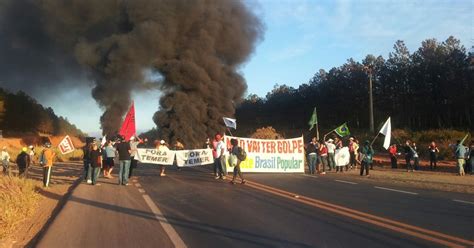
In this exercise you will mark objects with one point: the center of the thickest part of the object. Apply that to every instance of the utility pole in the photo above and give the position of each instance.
(369, 70)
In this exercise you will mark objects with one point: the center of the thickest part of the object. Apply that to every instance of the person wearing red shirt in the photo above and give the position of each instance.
(393, 155)
(323, 157)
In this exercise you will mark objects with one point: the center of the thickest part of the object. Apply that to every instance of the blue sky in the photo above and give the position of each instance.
(303, 36)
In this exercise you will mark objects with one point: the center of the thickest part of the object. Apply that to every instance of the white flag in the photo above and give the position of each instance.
(66, 145)
(387, 131)
(104, 140)
(231, 123)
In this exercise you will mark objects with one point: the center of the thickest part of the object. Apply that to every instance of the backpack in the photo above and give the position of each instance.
(42, 159)
(241, 154)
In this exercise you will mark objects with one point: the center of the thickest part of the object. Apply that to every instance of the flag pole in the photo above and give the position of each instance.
(317, 131)
(228, 129)
(371, 143)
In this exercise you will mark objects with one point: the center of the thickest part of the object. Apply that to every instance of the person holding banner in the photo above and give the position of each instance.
(162, 147)
(134, 142)
(236, 151)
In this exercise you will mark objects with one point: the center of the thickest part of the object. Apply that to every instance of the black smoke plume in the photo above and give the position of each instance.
(196, 46)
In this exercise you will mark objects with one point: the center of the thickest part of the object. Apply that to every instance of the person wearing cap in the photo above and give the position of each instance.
(366, 156)
(124, 151)
(331, 154)
(46, 160)
(134, 142)
(23, 162)
(5, 157)
(162, 147)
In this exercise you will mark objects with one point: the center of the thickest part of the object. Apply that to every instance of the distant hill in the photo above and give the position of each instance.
(22, 114)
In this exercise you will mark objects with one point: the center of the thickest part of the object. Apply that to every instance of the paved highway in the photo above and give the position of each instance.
(189, 208)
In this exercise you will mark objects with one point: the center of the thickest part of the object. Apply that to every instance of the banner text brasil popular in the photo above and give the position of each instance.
(284, 155)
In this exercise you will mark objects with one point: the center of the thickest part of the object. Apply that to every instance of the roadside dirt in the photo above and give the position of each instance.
(64, 178)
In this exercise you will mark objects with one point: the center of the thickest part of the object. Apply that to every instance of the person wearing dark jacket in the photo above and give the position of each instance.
(95, 156)
(312, 151)
(23, 162)
(235, 152)
(408, 155)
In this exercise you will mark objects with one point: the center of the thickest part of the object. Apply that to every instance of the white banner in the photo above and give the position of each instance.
(66, 146)
(153, 156)
(342, 156)
(188, 158)
(281, 156)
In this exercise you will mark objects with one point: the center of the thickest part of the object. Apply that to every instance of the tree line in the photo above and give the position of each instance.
(430, 88)
(20, 114)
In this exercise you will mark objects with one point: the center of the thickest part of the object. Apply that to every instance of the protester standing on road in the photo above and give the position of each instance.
(352, 153)
(23, 162)
(408, 156)
(46, 160)
(32, 154)
(460, 153)
(323, 157)
(219, 156)
(162, 147)
(95, 156)
(109, 159)
(87, 162)
(6, 162)
(239, 155)
(367, 154)
(416, 157)
(331, 156)
(312, 151)
(433, 149)
(393, 155)
(134, 142)
(124, 151)
(471, 157)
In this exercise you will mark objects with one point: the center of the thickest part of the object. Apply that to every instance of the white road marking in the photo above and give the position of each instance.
(396, 190)
(172, 234)
(309, 176)
(141, 190)
(468, 202)
(138, 185)
(342, 181)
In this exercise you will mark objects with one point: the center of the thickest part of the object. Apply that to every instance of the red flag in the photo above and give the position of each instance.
(128, 127)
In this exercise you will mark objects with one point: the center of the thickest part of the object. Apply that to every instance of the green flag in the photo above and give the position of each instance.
(314, 119)
(464, 139)
(342, 130)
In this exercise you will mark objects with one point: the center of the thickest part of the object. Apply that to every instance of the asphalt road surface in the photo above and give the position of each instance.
(189, 208)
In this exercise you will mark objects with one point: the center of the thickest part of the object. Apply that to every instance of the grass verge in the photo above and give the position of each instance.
(18, 201)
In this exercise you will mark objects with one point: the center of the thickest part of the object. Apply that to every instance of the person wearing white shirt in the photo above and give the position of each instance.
(221, 156)
(331, 151)
(6, 161)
